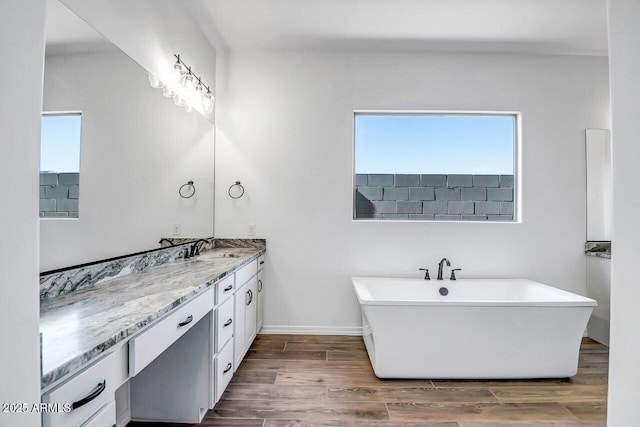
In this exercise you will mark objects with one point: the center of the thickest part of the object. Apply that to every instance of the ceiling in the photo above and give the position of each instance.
(515, 26)
(66, 32)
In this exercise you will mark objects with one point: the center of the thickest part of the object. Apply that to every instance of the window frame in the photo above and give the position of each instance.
(517, 161)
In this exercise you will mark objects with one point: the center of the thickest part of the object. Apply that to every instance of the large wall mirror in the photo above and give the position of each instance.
(133, 150)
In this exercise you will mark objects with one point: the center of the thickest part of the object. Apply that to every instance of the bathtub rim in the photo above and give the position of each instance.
(575, 301)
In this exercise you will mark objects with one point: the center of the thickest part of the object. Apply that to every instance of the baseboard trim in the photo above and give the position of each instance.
(311, 330)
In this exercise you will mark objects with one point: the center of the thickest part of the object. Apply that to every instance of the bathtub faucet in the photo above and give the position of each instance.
(441, 266)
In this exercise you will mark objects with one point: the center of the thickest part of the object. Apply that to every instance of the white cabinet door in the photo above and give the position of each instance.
(259, 301)
(239, 333)
(250, 311)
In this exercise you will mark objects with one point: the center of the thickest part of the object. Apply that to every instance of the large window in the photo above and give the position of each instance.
(60, 165)
(435, 166)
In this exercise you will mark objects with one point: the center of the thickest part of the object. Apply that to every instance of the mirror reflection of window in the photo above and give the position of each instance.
(60, 164)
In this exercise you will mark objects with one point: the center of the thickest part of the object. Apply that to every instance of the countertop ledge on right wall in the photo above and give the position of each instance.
(598, 249)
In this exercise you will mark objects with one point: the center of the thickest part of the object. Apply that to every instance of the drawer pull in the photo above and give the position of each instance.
(227, 369)
(227, 323)
(95, 393)
(259, 285)
(186, 322)
(228, 288)
(261, 262)
(250, 295)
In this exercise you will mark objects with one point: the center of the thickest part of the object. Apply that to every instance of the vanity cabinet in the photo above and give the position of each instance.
(250, 316)
(245, 310)
(224, 368)
(90, 393)
(104, 417)
(260, 298)
(175, 369)
(148, 345)
(225, 319)
(171, 364)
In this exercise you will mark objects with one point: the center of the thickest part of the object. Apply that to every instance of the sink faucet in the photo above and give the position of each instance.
(164, 239)
(195, 248)
(441, 266)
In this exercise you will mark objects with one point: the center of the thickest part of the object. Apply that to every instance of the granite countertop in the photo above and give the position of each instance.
(79, 326)
(598, 249)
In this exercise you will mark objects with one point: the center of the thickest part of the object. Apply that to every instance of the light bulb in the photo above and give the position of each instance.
(168, 92)
(178, 71)
(187, 81)
(154, 81)
(198, 92)
(207, 102)
(179, 101)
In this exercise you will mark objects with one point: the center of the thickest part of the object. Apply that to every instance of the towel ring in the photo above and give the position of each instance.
(237, 184)
(188, 192)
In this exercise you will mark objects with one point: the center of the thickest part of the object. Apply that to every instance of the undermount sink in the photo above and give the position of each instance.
(217, 255)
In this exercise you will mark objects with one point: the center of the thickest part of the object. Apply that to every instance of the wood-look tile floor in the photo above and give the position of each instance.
(322, 381)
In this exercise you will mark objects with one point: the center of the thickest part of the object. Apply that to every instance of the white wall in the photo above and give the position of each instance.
(624, 372)
(137, 149)
(151, 32)
(284, 128)
(599, 288)
(22, 43)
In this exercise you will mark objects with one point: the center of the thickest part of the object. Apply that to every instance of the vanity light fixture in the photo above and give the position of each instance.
(186, 89)
(155, 82)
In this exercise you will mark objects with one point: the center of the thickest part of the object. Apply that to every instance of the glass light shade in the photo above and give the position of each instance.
(179, 101)
(207, 102)
(168, 92)
(178, 71)
(199, 91)
(154, 81)
(187, 81)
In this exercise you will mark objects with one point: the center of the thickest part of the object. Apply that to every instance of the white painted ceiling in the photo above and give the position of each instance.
(526, 26)
(66, 32)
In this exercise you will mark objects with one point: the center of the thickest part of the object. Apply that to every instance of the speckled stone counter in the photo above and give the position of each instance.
(598, 249)
(78, 326)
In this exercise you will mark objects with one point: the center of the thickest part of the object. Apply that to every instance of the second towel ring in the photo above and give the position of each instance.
(188, 192)
(240, 187)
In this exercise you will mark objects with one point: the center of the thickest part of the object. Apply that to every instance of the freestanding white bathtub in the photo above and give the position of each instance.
(482, 329)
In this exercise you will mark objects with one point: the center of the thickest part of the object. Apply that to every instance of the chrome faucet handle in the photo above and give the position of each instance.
(453, 273)
(426, 273)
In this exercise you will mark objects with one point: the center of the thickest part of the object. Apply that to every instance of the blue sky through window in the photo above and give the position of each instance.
(434, 144)
(60, 143)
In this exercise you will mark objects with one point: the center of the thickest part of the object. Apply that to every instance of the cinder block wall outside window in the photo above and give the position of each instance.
(59, 195)
(435, 197)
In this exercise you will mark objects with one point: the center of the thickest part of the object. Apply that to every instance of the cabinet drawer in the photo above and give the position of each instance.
(106, 417)
(246, 272)
(144, 348)
(225, 289)
(224, 369)
(260, 262)
(224, 323)
(88, 391)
